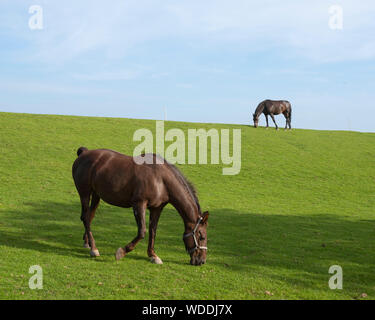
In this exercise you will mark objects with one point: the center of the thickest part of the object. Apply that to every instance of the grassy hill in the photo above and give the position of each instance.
(304, 200)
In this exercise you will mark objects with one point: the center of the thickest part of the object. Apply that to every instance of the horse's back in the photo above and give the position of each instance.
(90, 165)
(269, 101)
(88, 159)
(117, 178)
(277, 106)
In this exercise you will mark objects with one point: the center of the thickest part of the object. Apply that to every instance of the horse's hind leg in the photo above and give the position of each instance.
(286, 115)
(154, 218)
(86, 219)
(139, 213)
(94, 205)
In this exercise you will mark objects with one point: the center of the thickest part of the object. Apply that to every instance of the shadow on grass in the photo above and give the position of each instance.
(237, 241)
(56, 228)
(46, 226)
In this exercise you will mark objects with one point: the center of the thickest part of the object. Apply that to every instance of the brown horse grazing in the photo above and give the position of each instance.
(271, 107)
(121, 181)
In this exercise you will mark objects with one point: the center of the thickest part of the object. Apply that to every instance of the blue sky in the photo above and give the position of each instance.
(204, 61)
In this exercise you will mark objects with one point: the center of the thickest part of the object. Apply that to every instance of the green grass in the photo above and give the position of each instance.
(304, 201)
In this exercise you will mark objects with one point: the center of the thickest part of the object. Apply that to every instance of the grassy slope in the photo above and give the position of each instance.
(304, 201)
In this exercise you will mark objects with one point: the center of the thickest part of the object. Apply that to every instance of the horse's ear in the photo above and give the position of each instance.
(205, 216)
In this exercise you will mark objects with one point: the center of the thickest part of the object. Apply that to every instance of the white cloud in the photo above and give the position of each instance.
(108, 76)
(33, 87)
(160, 75)
(76, 28)
(184, 85)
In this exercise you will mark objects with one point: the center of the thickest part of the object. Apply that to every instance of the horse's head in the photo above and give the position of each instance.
(256, 120)
(196, 241)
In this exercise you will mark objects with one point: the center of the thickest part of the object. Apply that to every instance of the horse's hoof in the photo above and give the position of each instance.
(120, 253)
(94, 253)
(156, 260)
(86, 245)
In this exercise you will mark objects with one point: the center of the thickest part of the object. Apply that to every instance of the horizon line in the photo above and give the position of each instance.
(149, 119)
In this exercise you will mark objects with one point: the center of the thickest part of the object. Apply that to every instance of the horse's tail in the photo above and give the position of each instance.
(81, 150)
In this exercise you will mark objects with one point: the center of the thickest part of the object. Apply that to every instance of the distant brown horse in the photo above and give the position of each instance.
(271, 108)
(121, 181)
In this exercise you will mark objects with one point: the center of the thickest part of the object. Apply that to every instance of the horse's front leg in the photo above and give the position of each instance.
(154, 219)
(139, 213)
(267, 121)
(273, 119)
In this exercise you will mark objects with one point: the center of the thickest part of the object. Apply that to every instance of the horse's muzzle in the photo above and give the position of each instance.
(197, 261)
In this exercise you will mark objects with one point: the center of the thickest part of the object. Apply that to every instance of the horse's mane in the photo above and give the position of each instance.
(259, 108)
(185, 182)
